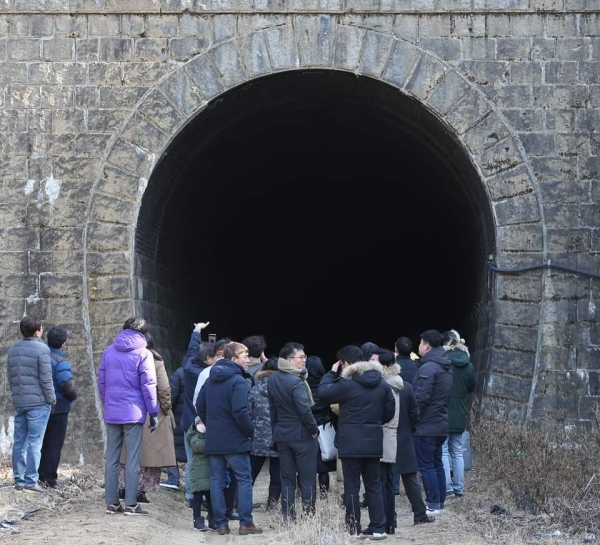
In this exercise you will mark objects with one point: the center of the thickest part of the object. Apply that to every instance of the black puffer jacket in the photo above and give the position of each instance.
(366, 403)
(178, 402)
(408, 368)
(432, 385)
(291, 417)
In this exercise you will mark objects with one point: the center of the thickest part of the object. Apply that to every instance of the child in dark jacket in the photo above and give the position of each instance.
(200, 477)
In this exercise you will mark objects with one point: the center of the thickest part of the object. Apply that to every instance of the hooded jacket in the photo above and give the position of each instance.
(199, 464)
(463, 383)
(223, 407)
(365, 402)
(291, 416)
(30, 373)
(127, 380)
(258, 405)
(432, 385)
(391, 375)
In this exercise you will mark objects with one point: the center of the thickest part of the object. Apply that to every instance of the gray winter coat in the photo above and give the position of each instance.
(391, 375)
(29, 373)
(258, 406)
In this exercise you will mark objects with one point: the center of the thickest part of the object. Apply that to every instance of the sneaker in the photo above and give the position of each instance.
(212, 526)
(250, 529)
(141, 497)
(114, 509)
(199, 525)
(233, 515)
(424, 520)
(135, 510)
(169, 485)
(433, 511)
(375, 536)
(19, 487)
(223, 530)
(34, 488)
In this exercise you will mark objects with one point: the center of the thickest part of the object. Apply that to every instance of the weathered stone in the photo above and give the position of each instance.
(143, 134)
(485, 72)
(555, 408)
(111, 209)
(518, 314)
(106, 237)
(511, 337)
(315, 38)
(448, 93)
(280, 41)
(427, 75)
(116, 49)
(468, 111)
(503, 156)
(255, 54)
(517, 288)
(447, 49)
(574, 240)
(160, 112)
(107, 263)
(131, 158)
(572, 49)
(109, 287)
(205, 76)
(182, 49)
(109, 312)
(403, 59)
(506, 362)
(58, 286)
(505, 386)
(487, 133)
(561, 72)
(520, 238)
(554, 168)
(229, 64)
(510, 183)
(561, 384)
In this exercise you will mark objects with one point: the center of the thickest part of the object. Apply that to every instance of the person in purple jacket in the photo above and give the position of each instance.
(127, 385)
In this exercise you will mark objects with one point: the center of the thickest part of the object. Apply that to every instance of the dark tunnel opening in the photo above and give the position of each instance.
(314, 206)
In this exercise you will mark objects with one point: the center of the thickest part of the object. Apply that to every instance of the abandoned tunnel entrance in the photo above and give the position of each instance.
(315, 206)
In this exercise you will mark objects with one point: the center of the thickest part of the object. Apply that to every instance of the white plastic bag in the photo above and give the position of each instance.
(327, 442)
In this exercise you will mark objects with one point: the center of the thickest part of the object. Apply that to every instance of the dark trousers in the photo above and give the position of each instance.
(414, 493)
(369, 469)
(386, 478)
(298, 459)
(54, 439)
(431, 467)
(197, 506)
(230, 493)
(256, 463)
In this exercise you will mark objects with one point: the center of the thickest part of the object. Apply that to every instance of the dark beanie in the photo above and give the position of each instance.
(57, 336)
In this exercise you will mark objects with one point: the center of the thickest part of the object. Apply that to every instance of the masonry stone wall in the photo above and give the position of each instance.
(93, 91)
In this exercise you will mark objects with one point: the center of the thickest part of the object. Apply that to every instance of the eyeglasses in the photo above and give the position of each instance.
(303, 358)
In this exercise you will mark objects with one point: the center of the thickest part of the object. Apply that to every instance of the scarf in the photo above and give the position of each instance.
(286, 367)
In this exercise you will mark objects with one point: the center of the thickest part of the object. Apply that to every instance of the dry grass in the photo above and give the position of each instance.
(549, 472)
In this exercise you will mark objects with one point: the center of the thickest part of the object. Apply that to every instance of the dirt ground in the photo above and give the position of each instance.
(76, 516)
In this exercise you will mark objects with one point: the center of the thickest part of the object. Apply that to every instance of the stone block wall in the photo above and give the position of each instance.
(93, 91)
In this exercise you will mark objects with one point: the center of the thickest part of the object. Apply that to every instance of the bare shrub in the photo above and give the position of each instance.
(551, 471)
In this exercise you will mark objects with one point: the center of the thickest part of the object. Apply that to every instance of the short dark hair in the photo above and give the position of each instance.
(270, 365)
(221, 344)
(386, 357)
(206, 350)
(149, 341)
(256, 345)
(314, 366)
(404, 346)
(433, 337)
(29, 325)
(350, 354)
(136, 324)
(289, 349)
(57, 336)
(368, 349)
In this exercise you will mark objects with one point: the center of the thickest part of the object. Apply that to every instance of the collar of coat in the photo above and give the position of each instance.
(361, 367)
(391, 374)
(263, 374)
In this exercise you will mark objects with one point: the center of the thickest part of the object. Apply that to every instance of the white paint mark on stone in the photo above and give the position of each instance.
(29, 187)
(6, 436)
(592, 309)
(52, 188)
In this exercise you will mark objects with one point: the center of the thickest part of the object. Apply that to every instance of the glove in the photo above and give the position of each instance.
(152, 423)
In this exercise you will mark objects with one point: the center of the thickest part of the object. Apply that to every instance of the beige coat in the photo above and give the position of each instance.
(391, 375)
(158, 449)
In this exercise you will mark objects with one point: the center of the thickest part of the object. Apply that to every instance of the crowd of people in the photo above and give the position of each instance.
(378, 415)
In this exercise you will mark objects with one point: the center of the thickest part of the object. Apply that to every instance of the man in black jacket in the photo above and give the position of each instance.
(432, 386)
(294, 429)
(366, 403)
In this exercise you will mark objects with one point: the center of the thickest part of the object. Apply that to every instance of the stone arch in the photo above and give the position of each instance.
(316, 42)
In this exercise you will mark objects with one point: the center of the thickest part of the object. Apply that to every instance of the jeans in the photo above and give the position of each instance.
(298, 458)
(369, 469)
(189, 454)
(452, 457)
(239, 464)
(54, 439)
(173, 475)
(30, 426)
(256, 463)
(386, 478)
(429, 460)
(132, 435)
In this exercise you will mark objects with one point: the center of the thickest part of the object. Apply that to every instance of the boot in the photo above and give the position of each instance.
(141, 497)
